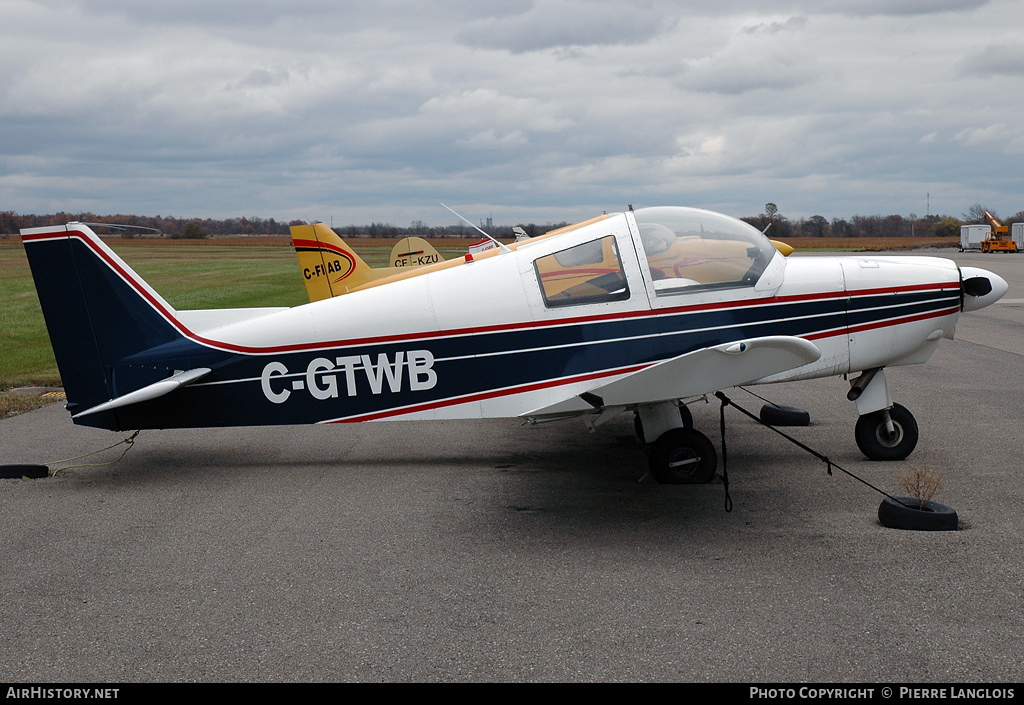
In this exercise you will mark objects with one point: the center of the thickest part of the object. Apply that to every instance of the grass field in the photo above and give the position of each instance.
(220, 273)
(219, 276)
(870, 244)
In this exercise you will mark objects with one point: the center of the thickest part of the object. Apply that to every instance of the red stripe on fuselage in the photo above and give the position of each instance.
(490, 394)
(875, 325)
(507, 327)
(550, 384)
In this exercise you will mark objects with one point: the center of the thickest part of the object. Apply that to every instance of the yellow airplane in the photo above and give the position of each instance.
(331, 268)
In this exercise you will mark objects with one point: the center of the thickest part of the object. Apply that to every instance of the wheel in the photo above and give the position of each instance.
(683, 456)
(684, 414)
(875, 441)
(776, 415)
(31, 471)
(907, 513)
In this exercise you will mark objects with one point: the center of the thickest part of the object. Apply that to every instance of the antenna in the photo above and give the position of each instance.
(496, 242)
(117, 226)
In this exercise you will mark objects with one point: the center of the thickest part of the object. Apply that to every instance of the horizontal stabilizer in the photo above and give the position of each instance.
(695, 373)
(152, 391)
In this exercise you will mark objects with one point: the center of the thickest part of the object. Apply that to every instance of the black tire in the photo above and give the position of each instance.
(18, 471)
(683, 456)
(684, 414)
(907, 513)
(872, 436)
(777, 415)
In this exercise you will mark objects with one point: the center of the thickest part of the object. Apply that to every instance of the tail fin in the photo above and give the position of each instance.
(97, 310)
(413, 252)
(329, 266)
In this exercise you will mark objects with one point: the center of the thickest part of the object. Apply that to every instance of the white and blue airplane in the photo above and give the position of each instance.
(637, 311)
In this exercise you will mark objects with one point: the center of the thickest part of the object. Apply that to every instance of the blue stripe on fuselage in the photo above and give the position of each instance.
(464, 364)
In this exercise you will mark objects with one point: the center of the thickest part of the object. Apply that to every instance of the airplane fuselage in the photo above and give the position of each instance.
(510, 332)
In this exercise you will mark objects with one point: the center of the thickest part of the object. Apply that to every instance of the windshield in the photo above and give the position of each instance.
(689, 247)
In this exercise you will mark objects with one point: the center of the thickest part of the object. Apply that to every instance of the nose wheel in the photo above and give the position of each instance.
(890, 434)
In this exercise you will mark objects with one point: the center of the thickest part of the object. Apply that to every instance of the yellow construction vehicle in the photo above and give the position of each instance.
(999, 240)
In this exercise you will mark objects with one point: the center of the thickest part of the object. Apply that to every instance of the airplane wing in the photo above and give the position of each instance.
(695, 373)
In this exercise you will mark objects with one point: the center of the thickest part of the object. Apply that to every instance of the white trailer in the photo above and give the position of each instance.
(971, 236)
(1017, 235)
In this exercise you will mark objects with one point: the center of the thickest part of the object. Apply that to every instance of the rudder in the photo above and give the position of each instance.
(412, 252)
(97, 311)
(329, 267)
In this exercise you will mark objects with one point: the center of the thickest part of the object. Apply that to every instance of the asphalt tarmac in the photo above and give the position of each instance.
(489, 551)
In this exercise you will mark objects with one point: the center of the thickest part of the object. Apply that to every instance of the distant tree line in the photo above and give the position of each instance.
(876, 226)
(887, 226)
(169, 226)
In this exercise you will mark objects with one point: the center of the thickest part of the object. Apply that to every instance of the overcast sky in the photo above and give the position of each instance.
(527, 110)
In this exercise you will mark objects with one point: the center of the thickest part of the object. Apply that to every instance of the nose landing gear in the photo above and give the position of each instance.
(884, 431)
(889, 434)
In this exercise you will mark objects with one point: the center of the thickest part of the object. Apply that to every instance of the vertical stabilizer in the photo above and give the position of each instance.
(97, 309)
(329, 266)
(412, 252)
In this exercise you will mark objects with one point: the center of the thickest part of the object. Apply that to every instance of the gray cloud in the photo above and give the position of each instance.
(1000, 60)
(526, 109)
(793, 24)
(869, 8)
(547, 24)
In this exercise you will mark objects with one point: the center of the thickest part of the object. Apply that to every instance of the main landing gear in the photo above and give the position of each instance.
(885, 431)
(681, 455)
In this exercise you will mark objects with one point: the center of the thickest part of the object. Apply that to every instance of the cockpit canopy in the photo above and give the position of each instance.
(689, 247)
(688, 250)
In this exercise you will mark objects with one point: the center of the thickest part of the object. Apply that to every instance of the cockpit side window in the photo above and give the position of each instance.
(688, 248)
(585, 274)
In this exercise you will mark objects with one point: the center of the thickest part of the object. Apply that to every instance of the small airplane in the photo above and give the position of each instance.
(639, 311)
(331, 268)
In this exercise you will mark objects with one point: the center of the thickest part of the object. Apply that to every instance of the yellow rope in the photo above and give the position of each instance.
(129, 442)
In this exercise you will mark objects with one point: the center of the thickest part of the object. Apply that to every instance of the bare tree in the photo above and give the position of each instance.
(976, 215)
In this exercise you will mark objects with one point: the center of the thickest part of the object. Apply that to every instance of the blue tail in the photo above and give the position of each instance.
(97, 312)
